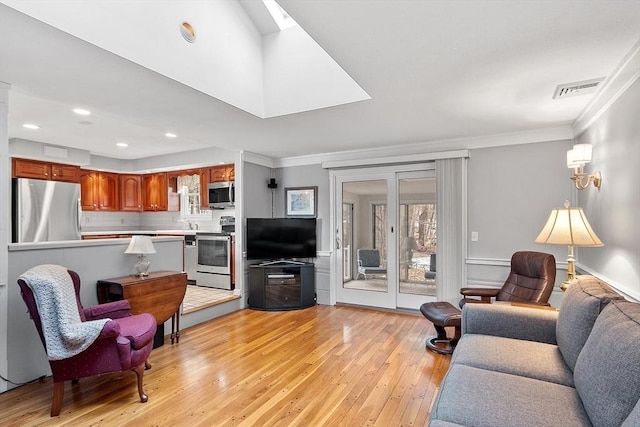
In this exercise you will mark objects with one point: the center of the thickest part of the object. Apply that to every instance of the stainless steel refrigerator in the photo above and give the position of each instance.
(44, 211)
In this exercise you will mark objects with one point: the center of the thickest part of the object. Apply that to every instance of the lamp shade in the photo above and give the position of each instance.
(140, 245)
(568, 226)
(582, 153)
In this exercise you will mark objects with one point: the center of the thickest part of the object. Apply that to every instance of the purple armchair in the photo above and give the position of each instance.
(124, 342)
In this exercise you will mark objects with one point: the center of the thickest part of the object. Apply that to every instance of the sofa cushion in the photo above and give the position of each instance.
(607, 372)
(582, 303)
(440, 423)
(511, 356)
(479, 397)
(633, 420)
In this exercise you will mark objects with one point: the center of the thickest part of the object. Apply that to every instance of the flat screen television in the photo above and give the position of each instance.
(281, 238)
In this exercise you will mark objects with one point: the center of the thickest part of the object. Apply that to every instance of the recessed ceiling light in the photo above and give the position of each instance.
(122, 144)
(170, 135)
(30, 126)
(81, 111)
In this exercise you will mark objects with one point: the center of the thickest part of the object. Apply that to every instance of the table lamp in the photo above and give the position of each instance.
(141, 245)
(568, 226)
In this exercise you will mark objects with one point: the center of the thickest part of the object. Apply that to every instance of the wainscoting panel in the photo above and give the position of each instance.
(323, 277)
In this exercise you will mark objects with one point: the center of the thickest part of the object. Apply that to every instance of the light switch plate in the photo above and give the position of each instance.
(474, 236)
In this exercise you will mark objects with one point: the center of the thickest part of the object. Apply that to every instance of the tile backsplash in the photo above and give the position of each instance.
(120, 221)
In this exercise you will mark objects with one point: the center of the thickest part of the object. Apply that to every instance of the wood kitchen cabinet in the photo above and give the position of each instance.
(205, 179)
(23, 168)
(155, 196)
(99, 191)
(130, 193)
(222, 173)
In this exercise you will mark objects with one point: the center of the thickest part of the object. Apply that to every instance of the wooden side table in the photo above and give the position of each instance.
(160, 293)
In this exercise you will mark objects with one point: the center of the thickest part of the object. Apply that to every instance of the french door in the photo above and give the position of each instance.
(384, 237)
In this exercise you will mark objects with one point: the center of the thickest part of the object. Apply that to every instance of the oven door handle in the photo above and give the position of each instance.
(214, 238)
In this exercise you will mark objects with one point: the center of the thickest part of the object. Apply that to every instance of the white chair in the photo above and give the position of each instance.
(369, 263)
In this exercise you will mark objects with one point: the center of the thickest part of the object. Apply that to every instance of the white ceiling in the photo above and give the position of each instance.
(435, 71)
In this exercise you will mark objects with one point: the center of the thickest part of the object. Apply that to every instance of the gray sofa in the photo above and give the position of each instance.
(521, 366)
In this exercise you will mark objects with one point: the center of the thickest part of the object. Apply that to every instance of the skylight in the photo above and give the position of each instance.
(279, 15)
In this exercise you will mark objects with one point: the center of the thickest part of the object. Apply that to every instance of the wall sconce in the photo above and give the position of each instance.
(577, 157)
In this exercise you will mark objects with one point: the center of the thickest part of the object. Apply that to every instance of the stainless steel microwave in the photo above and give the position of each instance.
(221, 194)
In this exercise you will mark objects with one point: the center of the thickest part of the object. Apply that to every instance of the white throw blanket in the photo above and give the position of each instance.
(65, 333)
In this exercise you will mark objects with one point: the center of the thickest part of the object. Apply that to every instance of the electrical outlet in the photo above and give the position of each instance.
(474, 236)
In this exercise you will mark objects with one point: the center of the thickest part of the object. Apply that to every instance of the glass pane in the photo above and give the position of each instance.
(365, 249)
(189, 190)
(347, 241)
(417, 227)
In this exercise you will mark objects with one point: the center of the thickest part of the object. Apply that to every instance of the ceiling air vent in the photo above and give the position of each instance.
(577, 88)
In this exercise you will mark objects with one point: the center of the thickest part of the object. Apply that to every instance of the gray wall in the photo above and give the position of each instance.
(255, 194)
(307, 176)
(613, 210)
(511, 191)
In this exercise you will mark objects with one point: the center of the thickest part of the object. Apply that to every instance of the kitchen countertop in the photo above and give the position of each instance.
(170, 232)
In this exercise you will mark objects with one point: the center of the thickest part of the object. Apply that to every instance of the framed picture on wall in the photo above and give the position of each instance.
(300, 202)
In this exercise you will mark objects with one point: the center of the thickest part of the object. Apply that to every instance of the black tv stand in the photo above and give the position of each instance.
(282, 285)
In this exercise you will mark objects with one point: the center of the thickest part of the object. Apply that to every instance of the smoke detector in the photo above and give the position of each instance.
(584, 87)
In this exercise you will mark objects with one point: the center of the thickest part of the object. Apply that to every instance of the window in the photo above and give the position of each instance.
(417, 227)
(189, 191)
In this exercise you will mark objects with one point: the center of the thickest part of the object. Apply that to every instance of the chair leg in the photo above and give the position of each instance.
(139, 370)
(58, 394)
(147, 365)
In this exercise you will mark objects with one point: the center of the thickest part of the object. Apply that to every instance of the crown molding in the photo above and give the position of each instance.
(627, 72)
(555, 133)
(258, 159)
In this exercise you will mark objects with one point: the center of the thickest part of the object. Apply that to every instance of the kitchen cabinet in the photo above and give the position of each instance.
(130, 193)
(23, 168)
(204, 193)
(155, 195)
(99, 191)
(222, 173)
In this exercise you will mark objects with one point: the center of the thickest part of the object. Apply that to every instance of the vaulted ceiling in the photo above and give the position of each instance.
(418, 72)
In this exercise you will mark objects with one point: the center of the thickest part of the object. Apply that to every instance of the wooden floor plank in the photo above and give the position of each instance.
(322, 366)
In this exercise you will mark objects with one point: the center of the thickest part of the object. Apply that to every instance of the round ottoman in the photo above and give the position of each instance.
(442, 314)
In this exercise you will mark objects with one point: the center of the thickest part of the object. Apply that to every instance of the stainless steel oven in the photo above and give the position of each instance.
(214, 260)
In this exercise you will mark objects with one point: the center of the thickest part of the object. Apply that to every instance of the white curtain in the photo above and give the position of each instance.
(451, 201)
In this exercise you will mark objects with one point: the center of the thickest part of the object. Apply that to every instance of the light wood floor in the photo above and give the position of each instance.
(322, 366)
